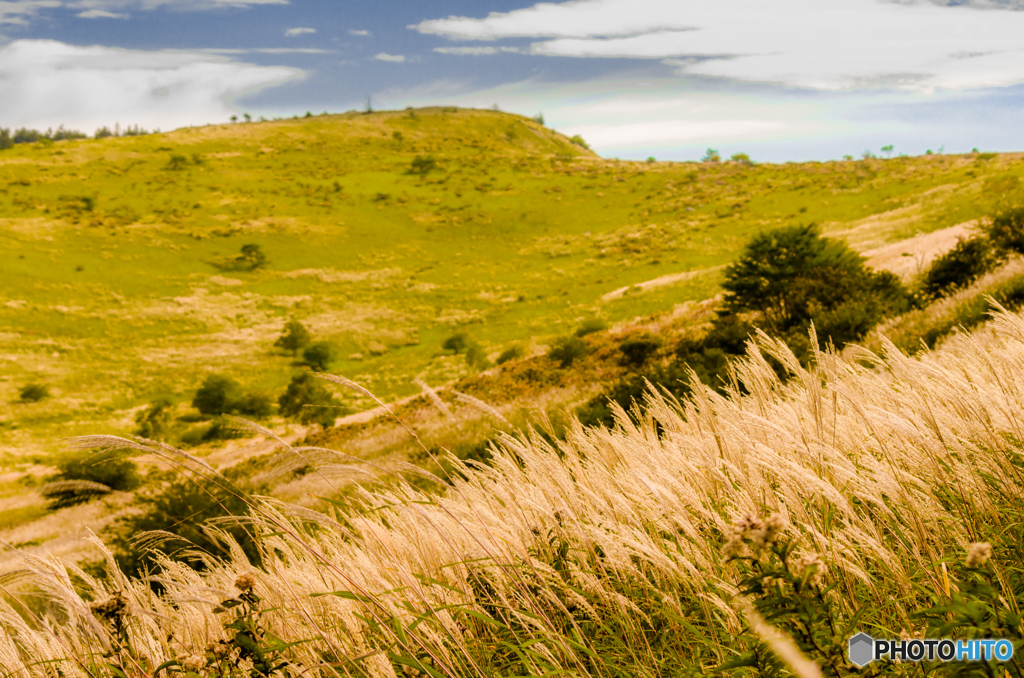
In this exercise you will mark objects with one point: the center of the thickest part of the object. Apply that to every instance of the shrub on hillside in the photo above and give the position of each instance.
(961, 266)
(156, 420)
(476, 357)
(567, 350)
(793, 276)
(309, 401)
(84, 477)
(457, 343)
(422, 165)
(218, 395)
(255, 404)
(218, 429)
(5, 139)
(33, 393)
(579, 141)
(182, 510)
(636, 351)
(294, 337)
(320, 356)
(1007, 230)
(590, 326)
(514, 352)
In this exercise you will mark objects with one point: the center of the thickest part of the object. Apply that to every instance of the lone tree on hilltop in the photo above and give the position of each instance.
(294, 337)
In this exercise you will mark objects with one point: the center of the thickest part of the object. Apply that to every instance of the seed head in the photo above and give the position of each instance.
(978, 554)
(245, 582)
(808, 560)
(112, 609)
(219, 649)
(193, 663)
(771, 529)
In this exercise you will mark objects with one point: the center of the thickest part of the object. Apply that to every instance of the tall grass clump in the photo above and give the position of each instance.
(744, 529)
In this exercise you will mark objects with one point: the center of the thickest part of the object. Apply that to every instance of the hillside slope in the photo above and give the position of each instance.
(119, 284)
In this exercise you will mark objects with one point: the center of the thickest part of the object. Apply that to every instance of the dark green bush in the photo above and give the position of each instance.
(156, 420)
(219, 429)
(457, 343)
(1006, 231)
(320, 356)
(591, 326)
(218, 395)
(181, 509)
(422, 165)
(294, 337)
(512, 353)
(33, 393)
(567, 350)
(476, 357)
(787, 272)
(636, 351)
(961, 266)
(309, 401)
(116, 472)
(255, 404)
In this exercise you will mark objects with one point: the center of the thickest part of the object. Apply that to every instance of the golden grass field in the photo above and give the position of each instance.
(572, 551)
(604, 555)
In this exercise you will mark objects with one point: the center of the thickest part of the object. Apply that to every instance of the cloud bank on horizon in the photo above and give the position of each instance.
(815, 44)
(47, 83)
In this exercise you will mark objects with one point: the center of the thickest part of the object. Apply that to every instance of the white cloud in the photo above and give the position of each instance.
(819, 44)
(395, 58)
(22, 11)
(359, 33)
(474, 51)
(18, 12)
(47, 83)
(292, 32)
(100, 14)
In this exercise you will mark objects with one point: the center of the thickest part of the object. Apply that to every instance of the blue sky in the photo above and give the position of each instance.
(778, 79)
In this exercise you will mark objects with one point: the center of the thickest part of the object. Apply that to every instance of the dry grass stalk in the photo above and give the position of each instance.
(878, 450)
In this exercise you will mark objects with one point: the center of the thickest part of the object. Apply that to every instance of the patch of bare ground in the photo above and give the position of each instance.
(912, 256)
(660, 281)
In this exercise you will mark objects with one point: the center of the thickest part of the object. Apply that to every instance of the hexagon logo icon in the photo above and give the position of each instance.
(862, 650)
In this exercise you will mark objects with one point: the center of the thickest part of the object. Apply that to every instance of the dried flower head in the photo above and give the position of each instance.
(245, 582)
(772, 528)
(749, 526)
(801, 565)
(193, 663)
(112, 609)
(220, 649)
(978, 554)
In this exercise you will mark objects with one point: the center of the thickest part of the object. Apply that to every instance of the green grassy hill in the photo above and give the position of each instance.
(117, 284)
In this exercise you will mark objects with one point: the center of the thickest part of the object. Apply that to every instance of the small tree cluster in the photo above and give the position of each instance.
(223, 395)
(308, 400)
(973, 257)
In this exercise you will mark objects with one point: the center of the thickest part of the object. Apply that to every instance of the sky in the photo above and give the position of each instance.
(781, 80)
